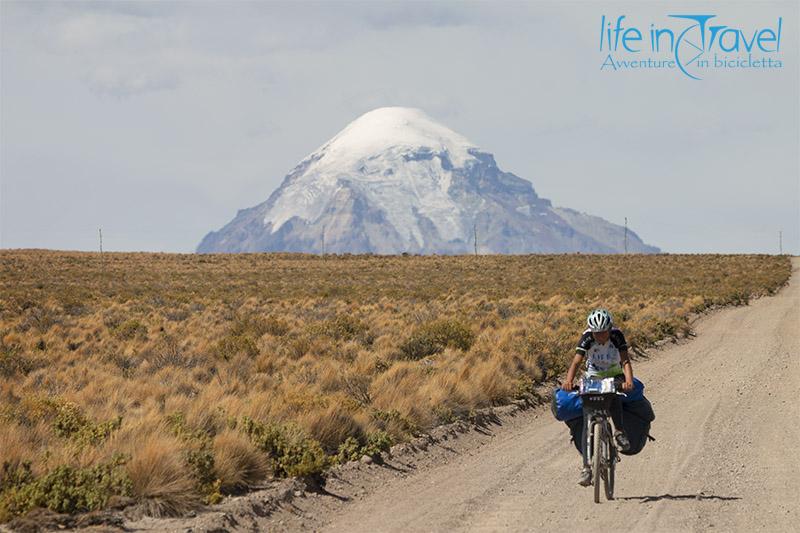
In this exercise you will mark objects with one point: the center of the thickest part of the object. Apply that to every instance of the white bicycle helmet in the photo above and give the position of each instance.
(599, 320)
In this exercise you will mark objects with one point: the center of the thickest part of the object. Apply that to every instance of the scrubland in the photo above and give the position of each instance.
(165, 381)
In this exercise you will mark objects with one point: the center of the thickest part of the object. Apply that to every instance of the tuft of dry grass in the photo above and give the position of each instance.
(206, 373)
(239, 465)
(16, 450)
(331, 426)
(162, 485)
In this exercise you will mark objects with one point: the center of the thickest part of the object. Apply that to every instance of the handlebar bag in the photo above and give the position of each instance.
(568, 405)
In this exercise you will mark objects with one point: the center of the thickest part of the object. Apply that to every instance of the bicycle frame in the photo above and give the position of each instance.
(599, 449)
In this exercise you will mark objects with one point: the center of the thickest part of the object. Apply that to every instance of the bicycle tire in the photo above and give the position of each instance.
(597, 459)
(611, 463)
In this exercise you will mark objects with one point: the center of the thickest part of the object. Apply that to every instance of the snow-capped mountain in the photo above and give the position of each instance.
(394, 181)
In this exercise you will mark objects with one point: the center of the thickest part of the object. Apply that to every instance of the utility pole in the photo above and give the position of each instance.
(475, 236)
(102, 259)
(780, 242)
(626, 235)
(323, 241)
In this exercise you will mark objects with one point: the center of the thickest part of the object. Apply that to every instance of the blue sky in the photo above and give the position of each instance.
(157, 121)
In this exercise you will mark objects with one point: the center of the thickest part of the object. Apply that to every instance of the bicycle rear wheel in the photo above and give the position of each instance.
(597, 459)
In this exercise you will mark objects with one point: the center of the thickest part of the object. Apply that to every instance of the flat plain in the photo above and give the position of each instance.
(167, 381)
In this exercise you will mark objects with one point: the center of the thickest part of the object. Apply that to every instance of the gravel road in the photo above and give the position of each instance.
(726, 456)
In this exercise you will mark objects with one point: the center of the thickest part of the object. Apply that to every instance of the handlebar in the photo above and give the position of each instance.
(616, 393)
(576, 390)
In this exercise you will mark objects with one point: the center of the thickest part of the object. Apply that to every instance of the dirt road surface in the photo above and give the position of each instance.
(727, 455)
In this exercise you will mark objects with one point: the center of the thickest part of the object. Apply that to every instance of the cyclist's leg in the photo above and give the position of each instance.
(585, 478)
(616, 405)
(585, 440)
(616, 413)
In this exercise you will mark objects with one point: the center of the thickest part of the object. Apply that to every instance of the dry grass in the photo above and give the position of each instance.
(356, 349)
(239, 464)
(162, 485)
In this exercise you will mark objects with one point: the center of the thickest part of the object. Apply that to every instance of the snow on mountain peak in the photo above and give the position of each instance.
(396, 128)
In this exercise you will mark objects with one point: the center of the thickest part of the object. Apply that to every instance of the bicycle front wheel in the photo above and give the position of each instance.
(597, 459)
(610, 464)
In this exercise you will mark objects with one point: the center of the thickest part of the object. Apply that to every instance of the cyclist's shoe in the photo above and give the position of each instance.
(586, 477)
(622, 441)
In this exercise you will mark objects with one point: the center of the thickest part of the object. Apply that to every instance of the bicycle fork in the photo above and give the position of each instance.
(588, 431)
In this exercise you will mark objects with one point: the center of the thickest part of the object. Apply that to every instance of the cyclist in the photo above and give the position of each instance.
(606, 353)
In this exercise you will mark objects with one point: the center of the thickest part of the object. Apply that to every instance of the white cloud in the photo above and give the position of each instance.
(86, 31)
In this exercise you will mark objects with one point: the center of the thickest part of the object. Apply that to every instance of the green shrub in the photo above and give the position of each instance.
(13, 361)
(525, 389)
(66, 489)
(666, 328)
(433, 337)
(70, 422)
(243, 335)
(377, 442)
(351, 449)
(344, 328)
(291, 452)
(176, 422)
(394, 423)
(275, 326)
(296, 346)
(230, 346)
(72, 301)
(130, 329)
(740, 297)
(447, 415)
(66, 419)
(255, 326)
(15, 474)
(201, 463)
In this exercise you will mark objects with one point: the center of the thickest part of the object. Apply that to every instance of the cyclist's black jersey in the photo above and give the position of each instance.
(602, 359)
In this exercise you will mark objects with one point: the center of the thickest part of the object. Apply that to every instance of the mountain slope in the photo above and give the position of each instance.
(396, 181)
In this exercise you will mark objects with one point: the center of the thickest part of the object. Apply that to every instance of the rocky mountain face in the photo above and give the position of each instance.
(395, 181)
